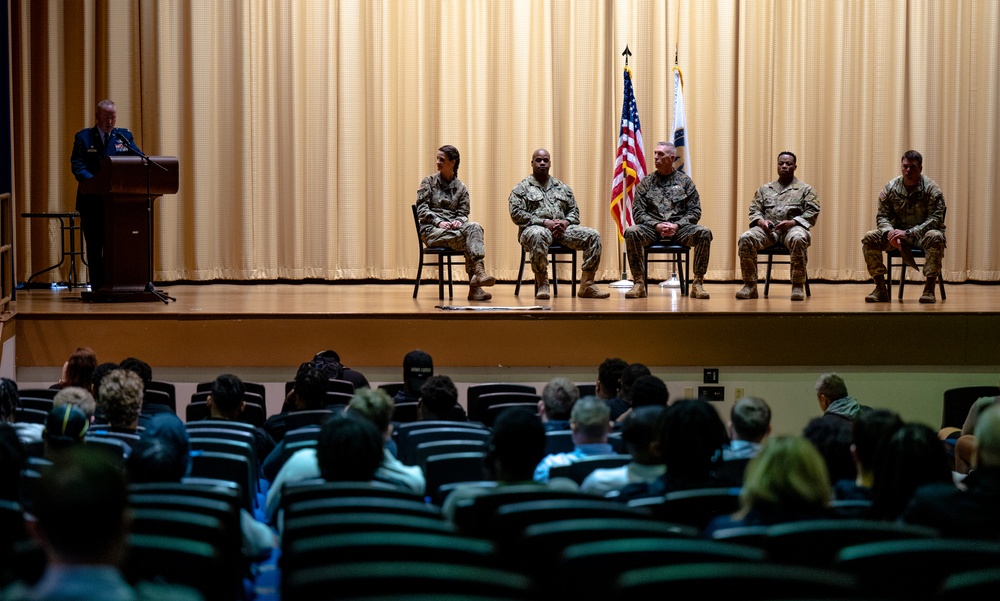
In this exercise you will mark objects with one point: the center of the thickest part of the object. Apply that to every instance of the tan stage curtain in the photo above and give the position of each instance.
(303, 128)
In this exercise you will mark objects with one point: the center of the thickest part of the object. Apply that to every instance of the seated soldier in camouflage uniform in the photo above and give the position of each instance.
(911, 213)
(667, 205)
(544, 210)
(781, 212)
(443, 213)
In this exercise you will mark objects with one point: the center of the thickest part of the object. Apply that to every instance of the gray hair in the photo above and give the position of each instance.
(832, 386)
(560, 396)
(591, 416)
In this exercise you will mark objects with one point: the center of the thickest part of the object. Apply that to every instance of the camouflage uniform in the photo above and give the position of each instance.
(531, 204)
(437, 201)
(775, 203)
(921, 211)
(667, 198)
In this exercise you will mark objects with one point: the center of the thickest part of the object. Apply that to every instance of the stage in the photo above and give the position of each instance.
(283, 324)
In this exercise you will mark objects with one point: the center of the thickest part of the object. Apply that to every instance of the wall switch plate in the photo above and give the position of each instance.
(712, 393)
(711, 375)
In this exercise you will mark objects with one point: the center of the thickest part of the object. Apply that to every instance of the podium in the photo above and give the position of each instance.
(129, 185)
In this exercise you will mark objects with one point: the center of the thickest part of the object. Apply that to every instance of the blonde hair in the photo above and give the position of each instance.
(788, 473)
(375, 405)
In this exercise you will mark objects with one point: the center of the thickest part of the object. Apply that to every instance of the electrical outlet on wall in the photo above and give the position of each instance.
(738, 394)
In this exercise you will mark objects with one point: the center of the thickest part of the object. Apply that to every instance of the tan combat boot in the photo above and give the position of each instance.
(542, 286)
(638, 287)
(928, 295)
(588, 289)
(881, 293)
(479, 277)
(798, 292)
(478, 294)
(749, 290)
(698, 289)
(749, 268)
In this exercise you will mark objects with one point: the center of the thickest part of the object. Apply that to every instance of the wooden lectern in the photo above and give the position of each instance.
(129, 185)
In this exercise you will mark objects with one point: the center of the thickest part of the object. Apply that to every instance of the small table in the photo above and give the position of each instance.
(68, 224)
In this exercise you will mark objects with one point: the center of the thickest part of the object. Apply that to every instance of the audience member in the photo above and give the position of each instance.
(691, 436)
(145, 373)
(81, 522)
(439, 401)
(376, 407)
(749, 424)
(836, 404)
(417, 367)
(638, 433)
(78, 397)
(618, 406)
(120, 395)
(163, 455)
(785, 482)
(344, 373)
(972, 511)
(97, 377)
(139, 368)
(833, 439)
(79, 370)
(349, 449)
(590, 424)
(609, 375)
(226, 403)
(10, 402)
(648, 391)
(13, 458)
(871, 430)
(558, 398)
(516, 446)
(964, 439)
(909, 459)
(307, 394)
(64, 428)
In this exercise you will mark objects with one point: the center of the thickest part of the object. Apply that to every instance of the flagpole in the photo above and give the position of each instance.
(630, 168)
(624, 282)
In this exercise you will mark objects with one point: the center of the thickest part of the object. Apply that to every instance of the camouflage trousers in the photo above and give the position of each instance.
(535, 239)
(697, 237)
(877, 241)
(796, 239)
(468, 239)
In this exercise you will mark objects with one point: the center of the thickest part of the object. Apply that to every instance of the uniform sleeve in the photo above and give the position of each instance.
(463, 204)
(518, 207)
(935, 212)
(571, 210)
(810, 208)
(425, 214)
(80, 171)
(885, 218)
(757, 207)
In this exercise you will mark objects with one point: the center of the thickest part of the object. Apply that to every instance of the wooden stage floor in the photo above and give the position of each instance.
(266, 324)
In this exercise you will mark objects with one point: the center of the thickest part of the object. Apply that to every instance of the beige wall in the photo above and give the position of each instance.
(303, 128)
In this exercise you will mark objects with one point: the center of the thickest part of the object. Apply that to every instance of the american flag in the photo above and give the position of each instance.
(630, 163)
